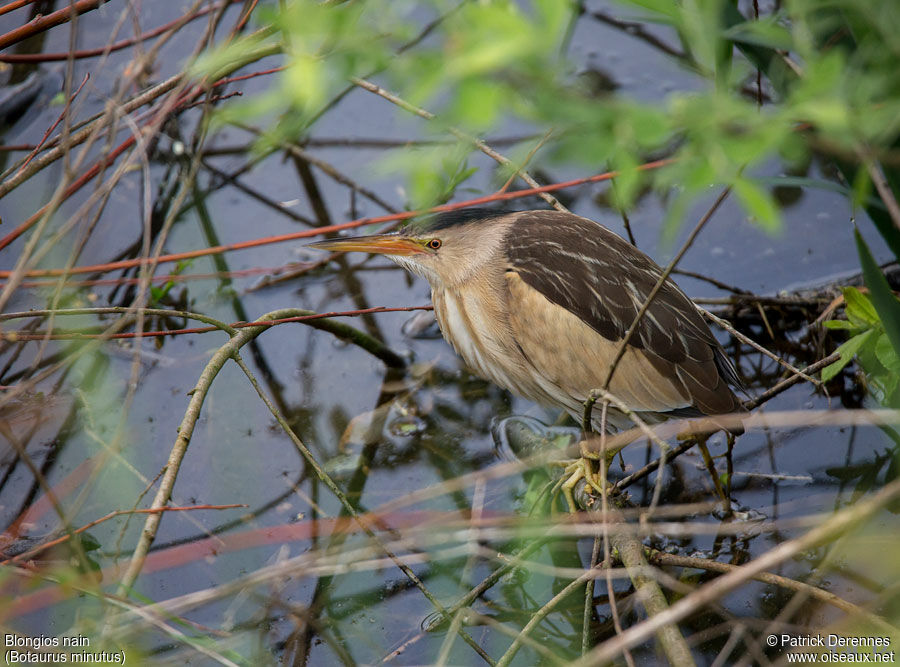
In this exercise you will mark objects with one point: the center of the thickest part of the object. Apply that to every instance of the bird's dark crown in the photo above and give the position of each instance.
(454, 218)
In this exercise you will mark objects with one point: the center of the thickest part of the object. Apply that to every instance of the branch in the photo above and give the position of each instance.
(42, 23)
(459, 134)
(847, 519)
(662, 558)
(203, 252)
(179, 449)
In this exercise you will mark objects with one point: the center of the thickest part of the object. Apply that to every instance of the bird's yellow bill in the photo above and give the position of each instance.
(382, 244)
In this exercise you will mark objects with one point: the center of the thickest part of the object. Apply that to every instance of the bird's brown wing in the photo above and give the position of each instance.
(603, 280)
(569, 358)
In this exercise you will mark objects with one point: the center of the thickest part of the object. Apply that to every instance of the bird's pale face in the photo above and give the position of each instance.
(444, 257)
(419, 254)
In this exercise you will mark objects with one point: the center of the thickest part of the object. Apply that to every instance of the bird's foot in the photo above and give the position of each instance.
(586, 469)
(576, 471)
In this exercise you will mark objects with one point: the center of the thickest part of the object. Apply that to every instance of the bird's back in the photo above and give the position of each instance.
(572, 288)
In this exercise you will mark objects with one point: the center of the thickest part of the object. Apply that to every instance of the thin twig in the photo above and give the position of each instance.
(459, 134)
(485, 585)
(847, 519)
(63, 114)
(51, 155)
(759, 348)
(14, 5)
(348, 507)
(884, 190)
(179, 449)
(663, 558)
(327, 168)
(117, 46)
(531, 153)
(41, 23)
(540, 614)
(623, 344)
(791, 381)
(671, 454)
(31, 553)
(321, 321)
(712, 281)
(496, 197)
(588, 610)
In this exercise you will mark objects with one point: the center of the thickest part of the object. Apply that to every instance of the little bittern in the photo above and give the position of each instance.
(537, 302)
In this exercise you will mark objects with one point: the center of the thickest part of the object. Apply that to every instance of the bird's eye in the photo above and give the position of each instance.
(434, 244)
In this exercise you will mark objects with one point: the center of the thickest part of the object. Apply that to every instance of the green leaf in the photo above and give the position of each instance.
(553, 15)
(847, 351)
(219, 61)
(662, 8)
(627, 181)
(89, 542)
(759, 203)
(477, 102)
(862, 188)
(649, 127)
(839, 324)
(832, 370)
(859, 308)
(883, 298)
(674, 217)
(306, 80)
(887, 355)
(804, 182)
(766, 33)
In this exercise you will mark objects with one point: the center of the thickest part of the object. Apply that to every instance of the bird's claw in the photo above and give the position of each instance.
(577, 470)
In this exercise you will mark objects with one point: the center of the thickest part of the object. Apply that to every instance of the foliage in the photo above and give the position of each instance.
(829, 91)
(159, 293)
(871, 344)
(830, 70)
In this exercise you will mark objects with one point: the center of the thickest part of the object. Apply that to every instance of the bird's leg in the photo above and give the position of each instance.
(583, 469)
(711, 468)
(730, 438)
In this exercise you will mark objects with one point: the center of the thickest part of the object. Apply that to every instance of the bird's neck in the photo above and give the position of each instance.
(473, 318)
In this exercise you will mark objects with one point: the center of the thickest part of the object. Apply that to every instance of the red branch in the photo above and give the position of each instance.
(42, 23)
(25, 601)
(274, 272)
(215, 250)
(74, 187)
(59, 119)
(12, 6)
(31, 553)
(92, 53)
(109, 159)
(37, 335)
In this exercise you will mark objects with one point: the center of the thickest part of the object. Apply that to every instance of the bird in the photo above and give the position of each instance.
(539, 301)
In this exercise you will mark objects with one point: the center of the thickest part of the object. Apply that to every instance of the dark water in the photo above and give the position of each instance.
(434, 421)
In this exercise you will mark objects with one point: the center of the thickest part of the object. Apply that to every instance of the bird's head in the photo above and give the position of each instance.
(445, 249)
